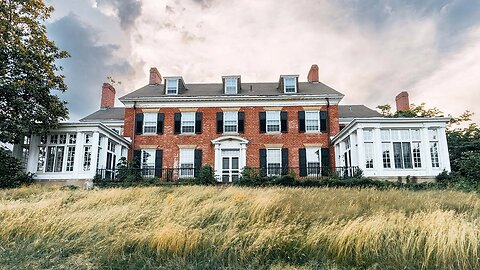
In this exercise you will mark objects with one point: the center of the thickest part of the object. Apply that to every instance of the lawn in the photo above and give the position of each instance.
(192, 227)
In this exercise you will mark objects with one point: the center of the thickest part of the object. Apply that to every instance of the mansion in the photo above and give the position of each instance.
(171, 128)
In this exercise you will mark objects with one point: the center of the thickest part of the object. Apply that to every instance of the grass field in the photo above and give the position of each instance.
(237, 228)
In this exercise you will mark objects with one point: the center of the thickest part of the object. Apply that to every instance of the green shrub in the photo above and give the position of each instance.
(206, 176)
(11, 171)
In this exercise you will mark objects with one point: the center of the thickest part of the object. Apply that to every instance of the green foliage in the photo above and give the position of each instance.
(127, 171)
(28, 71)
(414, 111)
(11, 171)
(462, 141)
(206, 175)
(469, 166)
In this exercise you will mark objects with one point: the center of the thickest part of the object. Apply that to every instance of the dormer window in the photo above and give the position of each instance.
(231, 84)
(290, 84)
(171, 86)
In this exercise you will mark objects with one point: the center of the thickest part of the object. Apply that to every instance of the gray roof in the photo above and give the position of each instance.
(247, 89)
(105, 115)
(356, 111)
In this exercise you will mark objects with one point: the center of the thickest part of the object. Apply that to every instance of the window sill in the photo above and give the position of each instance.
(187, 134)
(273, 133)
(150, 134)
(231, 133)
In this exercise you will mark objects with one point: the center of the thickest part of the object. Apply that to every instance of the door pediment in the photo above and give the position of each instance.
(236, 139)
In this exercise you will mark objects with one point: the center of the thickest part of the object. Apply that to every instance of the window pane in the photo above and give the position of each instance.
(312, 121)
(274, 161)
(41, 159)
(386, 155)
(72, 138)
(188, 122)
(59, 158)
(397, 155)
(434, 154)
(50, 158)
(230, 86)
(70, 158)
(172, 86)
(290, 84)
(87, 157)
(230, 121)
(415, 134)
(53, 139)
(405, 134)
(417, 159)
(407, 156)
(369, 155)
(368, 135)
(385, 133)
(273, 121)
(432, 134)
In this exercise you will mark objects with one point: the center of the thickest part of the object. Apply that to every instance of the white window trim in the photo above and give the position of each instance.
(227, 85)
(399, 139)
(149, 172)
(186, 171)
(182, 123)
(317, 112)
(224, 121)
(317, 159)
(167, 82)
(285, 85)
(277, 114)
(150, 125)
(267, 161)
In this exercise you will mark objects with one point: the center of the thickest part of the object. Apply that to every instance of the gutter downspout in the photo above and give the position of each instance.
(134, 123)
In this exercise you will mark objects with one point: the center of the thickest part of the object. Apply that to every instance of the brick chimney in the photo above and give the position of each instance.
(313, 74)
(403, 104)
(155, 77)
(108, 96)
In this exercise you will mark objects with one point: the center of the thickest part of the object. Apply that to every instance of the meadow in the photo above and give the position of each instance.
(195, 227)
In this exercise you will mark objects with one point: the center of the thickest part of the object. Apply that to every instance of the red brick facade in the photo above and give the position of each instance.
(108, 96)
(293, 139)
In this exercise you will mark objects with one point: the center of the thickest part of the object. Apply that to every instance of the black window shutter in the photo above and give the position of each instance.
(284, 161)
(177, 117)
(301, 121)
(198, 122)
(158, 163)
(263, 122)
(197, 161)
(263, 162)
(284, 121)
(323, 121)
(325, 161)
(302, 158)
(139, 123)
(219, 122)
(241, 122)
(137, 158)
(160, 118)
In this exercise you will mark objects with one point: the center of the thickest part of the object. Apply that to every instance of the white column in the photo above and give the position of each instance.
(33, 154)
(360, 150)
(426, 158)
(218, 162)
(93, 164)
(78, 158)
(443, 149)
(243, 155)
(377, 150)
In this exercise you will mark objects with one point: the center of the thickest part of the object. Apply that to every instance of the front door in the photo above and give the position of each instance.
(230, 165)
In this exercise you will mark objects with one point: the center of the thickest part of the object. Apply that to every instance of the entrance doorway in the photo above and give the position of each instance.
(230, 165)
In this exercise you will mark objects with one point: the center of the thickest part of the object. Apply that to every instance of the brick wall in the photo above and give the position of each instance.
(168, 141)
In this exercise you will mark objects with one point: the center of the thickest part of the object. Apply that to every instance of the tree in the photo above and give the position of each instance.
(28, 72)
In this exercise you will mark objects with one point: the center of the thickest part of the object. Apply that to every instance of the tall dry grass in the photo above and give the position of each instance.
(209, 227)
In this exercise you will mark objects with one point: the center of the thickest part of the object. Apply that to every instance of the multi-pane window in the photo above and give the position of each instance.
(273, 121)
(150, 123)
(148, 162)
(41, 158)
(274, 161)
(313, 161)
(88, 138)
(72, 138)
(290, 84)
(368, 135)
(405, 144)
(59, 158)
(53, 139)
(62, 138)
(171, 86)
(312, 121)
(230, 121)
(70, 158)
(386, 155)
(230, 86)
(187, 163)
(87, 157)
(188, 122)
(433, 137)
(369, 155)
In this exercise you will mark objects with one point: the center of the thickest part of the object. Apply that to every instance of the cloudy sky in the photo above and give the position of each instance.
(369, 50)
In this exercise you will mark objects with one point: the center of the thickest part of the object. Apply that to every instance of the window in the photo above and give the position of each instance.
(312, 121)
(62, 138)
(43, 139)
(148, 162)
(230, 86)
(434, 154)
(369, 155)
(53, 139)
(273, 121)
(405, 145)
(188, 122)
(187, 163)
(111, 146)
(172, 86)
(87, 158)
(433, 137)
(368, 135)
(88, 138)
(150, 123)
(313, 161)
(70, 158)
(41, 159)
(274, 162)
(72, 138)
(386, 155)
(59, 158)
(290, 84)
(230, 121)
